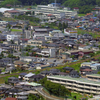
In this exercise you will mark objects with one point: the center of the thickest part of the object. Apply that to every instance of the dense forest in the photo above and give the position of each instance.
(85, 6)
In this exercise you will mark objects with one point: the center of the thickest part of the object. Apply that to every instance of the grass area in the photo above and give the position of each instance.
(8, 19)
(77, 96)
(81, 15)
(3, 79)
(16, 30)
(94, 34)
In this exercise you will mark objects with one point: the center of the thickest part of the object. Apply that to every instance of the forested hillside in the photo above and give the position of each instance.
(84, 5)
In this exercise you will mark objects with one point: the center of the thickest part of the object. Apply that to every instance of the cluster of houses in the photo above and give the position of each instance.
(20, 88)
(40, 47)
(85, 81)
(89, 22)
(47, 47)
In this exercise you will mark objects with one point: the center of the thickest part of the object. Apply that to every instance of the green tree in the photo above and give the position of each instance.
(27, 54)
(11, 2)
(73, 56)
(11, 56)
(60, 26)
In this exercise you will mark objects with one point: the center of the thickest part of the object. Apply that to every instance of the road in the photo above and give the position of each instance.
(40, 91)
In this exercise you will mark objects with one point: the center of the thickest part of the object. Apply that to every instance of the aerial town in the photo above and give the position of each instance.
(49, 52)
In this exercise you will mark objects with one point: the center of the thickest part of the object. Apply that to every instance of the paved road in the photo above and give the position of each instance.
(40, 90)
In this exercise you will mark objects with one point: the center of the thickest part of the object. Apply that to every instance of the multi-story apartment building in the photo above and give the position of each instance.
(82, 85)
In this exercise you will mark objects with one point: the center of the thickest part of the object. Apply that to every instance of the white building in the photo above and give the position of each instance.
(26, 77)
(81, 85)
(11, 37)
(95, 66)
(56, 11)
(70, 33)
(2, 10)
(49, 52)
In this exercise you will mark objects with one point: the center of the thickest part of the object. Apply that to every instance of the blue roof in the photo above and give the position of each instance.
(94, 17)
(83, 19)
(56, 3)
(22, 74)
(72, 16)
(81, 27)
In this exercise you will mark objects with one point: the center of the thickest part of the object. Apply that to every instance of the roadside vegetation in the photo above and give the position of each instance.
(55, 88)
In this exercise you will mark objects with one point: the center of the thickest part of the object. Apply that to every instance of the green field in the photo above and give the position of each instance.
(81, 15)
(94, 34)
(16, 30)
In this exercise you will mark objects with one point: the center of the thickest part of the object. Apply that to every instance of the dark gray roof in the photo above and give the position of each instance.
(22, 74)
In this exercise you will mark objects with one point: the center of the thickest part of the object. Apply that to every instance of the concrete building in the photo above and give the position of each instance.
(81, 85)
(48, 52)
(35, 43)
(70, 33)
(12, 37)
(54, 10)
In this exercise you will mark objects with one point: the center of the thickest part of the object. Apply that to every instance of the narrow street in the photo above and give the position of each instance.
(46, 96)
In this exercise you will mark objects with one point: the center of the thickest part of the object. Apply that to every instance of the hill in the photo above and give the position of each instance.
(85, 6)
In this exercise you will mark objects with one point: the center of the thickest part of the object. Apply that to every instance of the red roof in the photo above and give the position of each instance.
(86, 70)
(75, 8)
(92, 20)
(12, 11)
(49, 15)
(8, 5)
(24, 39)
(9, 98)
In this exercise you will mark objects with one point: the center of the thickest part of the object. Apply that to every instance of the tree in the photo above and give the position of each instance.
(98, 2)
(27, 54)
(91, 54)
(11, 2)
(73, 56)
(8, 26)
(33, 97)
(60, 26)
(54, 88)
(11, 56)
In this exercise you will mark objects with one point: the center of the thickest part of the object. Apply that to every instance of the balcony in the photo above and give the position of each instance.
(62, 82)
(69, 83)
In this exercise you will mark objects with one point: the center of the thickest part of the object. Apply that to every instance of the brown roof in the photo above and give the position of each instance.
(12, 11)
(9, 98)
(19, 62)
(86, 70)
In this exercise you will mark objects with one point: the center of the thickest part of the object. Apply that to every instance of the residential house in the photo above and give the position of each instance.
(86, 64)
(35, 78)
(6, 61)
(27, 76)
(12, 13)
(95, 66)
(19, 63)
(48, 52)
(13, 80)
(15, 47)
(74, 74)
(68, 69)
(21, 75)
(10, 98)
(35, 42)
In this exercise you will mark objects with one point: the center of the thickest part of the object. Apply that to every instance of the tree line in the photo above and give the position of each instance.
(55, 88)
